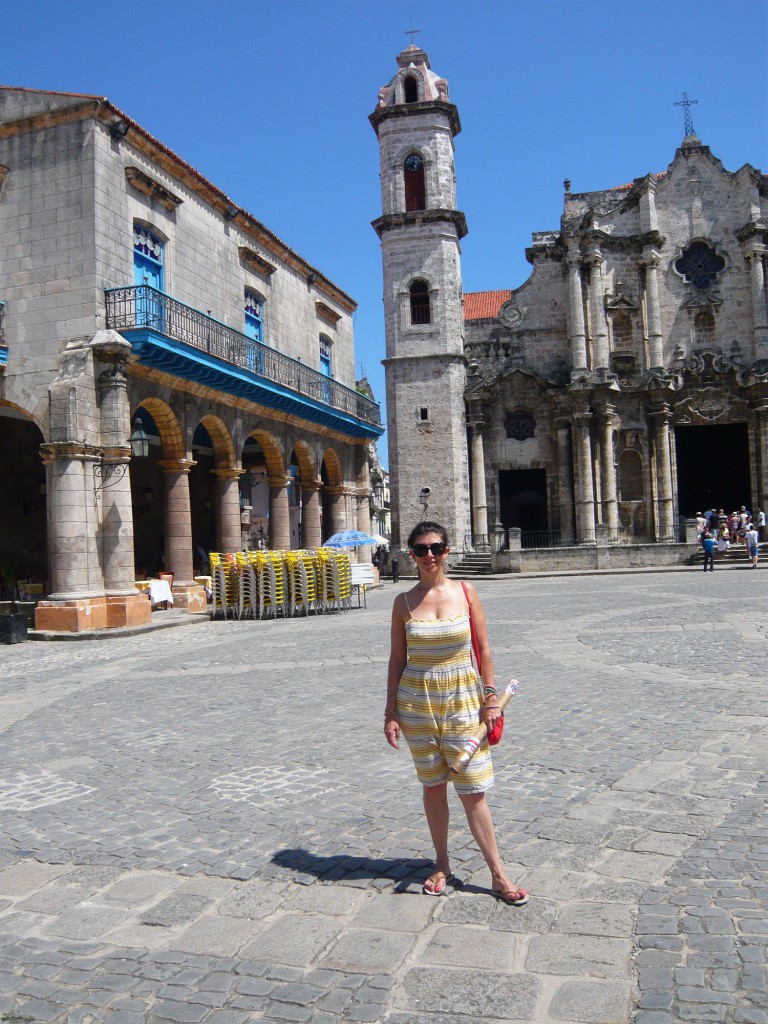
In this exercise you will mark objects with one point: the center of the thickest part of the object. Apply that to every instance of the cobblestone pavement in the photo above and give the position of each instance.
(204, 824)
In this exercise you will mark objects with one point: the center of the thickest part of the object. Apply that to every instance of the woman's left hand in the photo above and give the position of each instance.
(490, 715)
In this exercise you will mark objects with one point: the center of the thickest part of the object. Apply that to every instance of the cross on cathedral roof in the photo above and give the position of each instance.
(686, 104)
(411, 32)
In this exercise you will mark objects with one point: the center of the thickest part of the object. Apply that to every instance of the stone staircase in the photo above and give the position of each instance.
(474, 563)
(736, 556)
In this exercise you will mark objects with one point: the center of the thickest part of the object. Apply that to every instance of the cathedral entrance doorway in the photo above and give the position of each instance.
(523, 499)
(712, 468)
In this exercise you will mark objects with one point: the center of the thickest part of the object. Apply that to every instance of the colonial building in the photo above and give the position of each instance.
(621, 388)
(139, 301)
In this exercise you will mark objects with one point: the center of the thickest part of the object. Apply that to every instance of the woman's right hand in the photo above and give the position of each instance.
(392, 732)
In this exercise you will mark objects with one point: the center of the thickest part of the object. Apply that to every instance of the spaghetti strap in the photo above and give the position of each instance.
(405, 597)
(466, 598)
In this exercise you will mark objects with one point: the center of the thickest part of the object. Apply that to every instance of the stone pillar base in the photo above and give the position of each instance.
(72, 616)
(190, 597)
(128, 610)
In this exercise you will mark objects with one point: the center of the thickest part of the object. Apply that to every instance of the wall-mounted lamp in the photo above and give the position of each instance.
(231, 212)
(139, 440)
(119, 129)
(147, 494)
(312, 277)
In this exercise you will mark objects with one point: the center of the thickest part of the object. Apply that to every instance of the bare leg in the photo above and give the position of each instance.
(481, 825)
(438, 816)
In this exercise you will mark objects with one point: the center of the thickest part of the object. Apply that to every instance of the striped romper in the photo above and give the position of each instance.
(439, 700)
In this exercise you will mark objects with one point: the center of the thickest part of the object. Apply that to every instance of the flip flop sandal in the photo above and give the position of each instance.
(439, 881)
(512, 897)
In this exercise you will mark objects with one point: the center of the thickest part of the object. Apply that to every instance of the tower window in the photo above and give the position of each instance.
(420, 311)
(415, 190)
(424, 414)
(410, 89)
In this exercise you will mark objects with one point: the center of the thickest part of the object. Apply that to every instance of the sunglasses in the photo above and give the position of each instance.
(420, 550)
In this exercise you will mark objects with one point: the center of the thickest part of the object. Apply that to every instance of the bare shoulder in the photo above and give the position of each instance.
(400, 608)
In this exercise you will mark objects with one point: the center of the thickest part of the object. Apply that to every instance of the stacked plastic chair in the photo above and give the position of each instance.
(248, 597)
(224, 585)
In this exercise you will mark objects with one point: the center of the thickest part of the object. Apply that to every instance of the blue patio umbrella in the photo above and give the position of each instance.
(349, 539)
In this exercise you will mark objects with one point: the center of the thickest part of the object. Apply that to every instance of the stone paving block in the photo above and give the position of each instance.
(565, 954)
(537, 916)
(176, 909)
(460, 947)
(183, 1013)
(140, 936)
(138, 888)
(255, 900)
(643, 867)
(455, 992)
(330, 900)
(215, 936)
(83, 922)
(21, 879)
(293, 939)
(53, 899)
(391, 912)
(595, 919)
(368, 951)
(592, 1002)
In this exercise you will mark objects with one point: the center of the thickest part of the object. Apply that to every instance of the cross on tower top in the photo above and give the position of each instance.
(686, 104)
(411, 32)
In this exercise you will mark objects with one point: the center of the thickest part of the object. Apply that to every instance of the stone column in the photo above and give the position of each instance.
(178, 554)
(608, 423)
(598, 326)
(310, 514)
(279, 513)
(337, 518)
(565, 481)
(227, 498)
(665, 516)
(756, 258)
(125, 606)
(651, 260)
(76, 601)
(477, 465)
(578, 337)
(363, 511)
(585, 492)
(760, 407)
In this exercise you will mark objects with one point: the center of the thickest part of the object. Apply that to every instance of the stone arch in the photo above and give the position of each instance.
(168, 427)
(272, 453)
(223, 446)
(333, 468)
(25, 413)
(307, 468)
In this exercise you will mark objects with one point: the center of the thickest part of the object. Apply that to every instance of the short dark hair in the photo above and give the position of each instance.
(427, 527)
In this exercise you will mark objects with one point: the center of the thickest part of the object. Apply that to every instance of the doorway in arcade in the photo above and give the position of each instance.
(712, 468)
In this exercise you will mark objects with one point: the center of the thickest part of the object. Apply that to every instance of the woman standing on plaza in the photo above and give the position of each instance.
(436, 698)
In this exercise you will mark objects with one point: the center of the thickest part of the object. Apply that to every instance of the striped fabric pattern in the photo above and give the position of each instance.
(438, 703)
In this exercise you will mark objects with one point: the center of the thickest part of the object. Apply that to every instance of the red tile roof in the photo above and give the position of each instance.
(482, 305)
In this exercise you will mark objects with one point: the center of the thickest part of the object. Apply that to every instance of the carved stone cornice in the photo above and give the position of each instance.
(404, 110)
(255, 261)
(154, 189)
(753, 229)
(416, 218)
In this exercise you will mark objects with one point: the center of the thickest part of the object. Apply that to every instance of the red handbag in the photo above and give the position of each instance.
(494, 734)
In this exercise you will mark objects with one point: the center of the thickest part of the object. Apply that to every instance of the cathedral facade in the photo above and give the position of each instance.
(619, 391)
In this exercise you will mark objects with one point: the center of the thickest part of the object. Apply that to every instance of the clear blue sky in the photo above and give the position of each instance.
(270, 100)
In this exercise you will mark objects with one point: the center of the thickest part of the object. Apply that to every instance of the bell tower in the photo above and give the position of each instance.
(420, 231)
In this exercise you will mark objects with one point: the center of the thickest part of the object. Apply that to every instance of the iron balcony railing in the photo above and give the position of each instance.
(143, 306)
